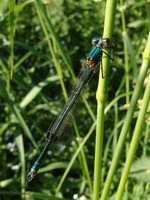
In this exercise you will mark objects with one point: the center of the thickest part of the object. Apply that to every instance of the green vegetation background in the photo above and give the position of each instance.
(43, 47)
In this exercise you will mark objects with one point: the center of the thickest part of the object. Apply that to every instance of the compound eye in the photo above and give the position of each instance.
(106, 41)
(96, 41)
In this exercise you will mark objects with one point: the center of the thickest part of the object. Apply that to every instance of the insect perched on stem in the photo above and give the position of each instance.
(58, 126)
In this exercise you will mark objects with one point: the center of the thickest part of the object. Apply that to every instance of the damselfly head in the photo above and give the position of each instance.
(100, 42)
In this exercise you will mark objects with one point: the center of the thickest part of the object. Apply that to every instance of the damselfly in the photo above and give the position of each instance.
(58, 127)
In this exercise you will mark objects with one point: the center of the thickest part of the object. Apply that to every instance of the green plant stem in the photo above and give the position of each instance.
(138, 127)
(11, 35)
(125, 46)
(20, 145)
(127, 122)
(101, 97)
(126, 59)
(98, 150)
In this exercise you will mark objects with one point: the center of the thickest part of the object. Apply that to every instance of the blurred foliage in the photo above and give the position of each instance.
(25, 120)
